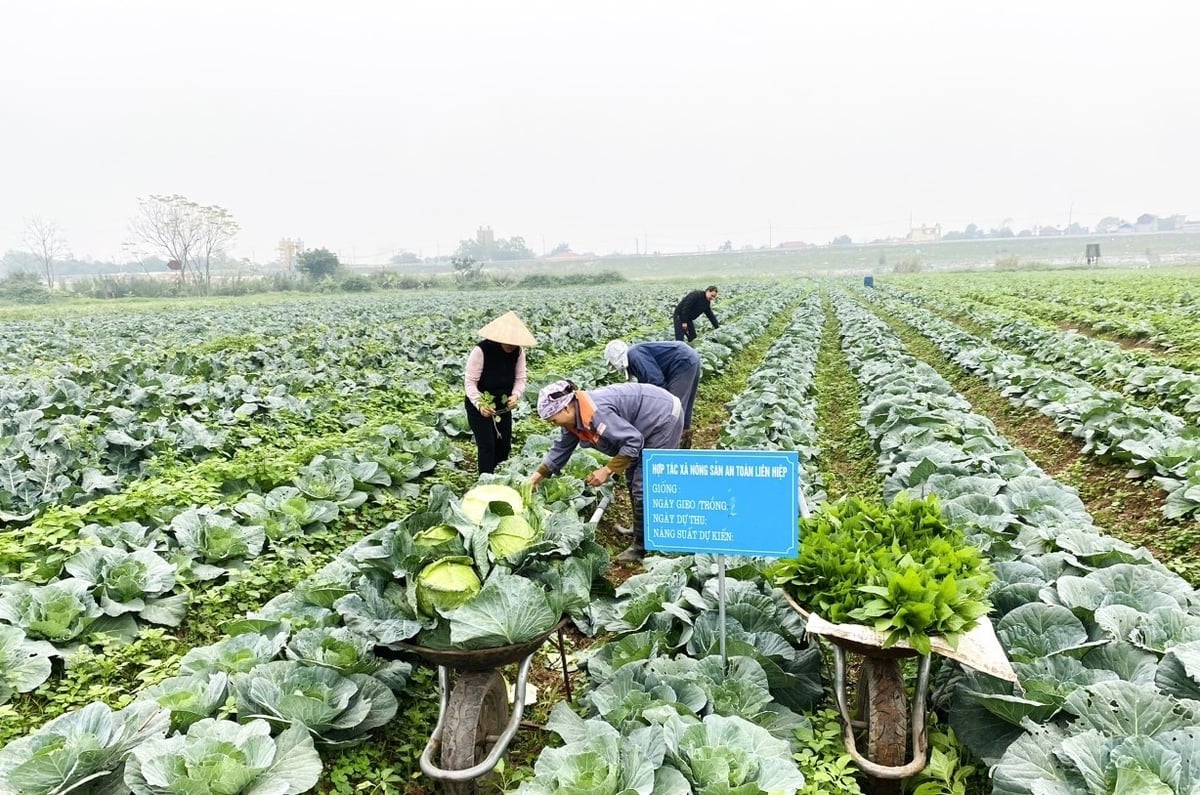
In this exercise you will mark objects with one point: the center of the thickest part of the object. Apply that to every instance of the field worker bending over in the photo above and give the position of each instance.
(494, 381)
(621, 421)
(692, 306)
(675, 366)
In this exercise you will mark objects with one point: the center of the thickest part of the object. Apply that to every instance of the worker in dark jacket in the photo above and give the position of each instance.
(621, 421)
(675, 366)
(692, 306)
(494, 380)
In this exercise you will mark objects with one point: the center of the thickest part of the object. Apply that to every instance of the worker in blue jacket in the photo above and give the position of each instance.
(674, 366)
(620, 421)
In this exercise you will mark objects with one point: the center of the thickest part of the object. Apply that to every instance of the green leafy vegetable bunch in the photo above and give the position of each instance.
(900, 569)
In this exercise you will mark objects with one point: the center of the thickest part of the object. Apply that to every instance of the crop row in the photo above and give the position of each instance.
(1152, 442)
(1100, 634)
(1163, 311)
(1143, 377)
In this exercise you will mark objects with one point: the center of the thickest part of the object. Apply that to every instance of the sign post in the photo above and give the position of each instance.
(723, 502)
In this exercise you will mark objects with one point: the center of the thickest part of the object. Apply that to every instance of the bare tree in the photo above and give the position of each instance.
(217, 228)
(186, 232)
(168, 224)
(47, 242)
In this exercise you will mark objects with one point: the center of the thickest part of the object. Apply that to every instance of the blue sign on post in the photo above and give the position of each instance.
(731, 502)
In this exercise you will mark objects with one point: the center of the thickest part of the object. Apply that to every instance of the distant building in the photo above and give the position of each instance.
(1174, 223)
(795, 244)
(1147, 222)
(925, 234)
(486, 239)
(289, 250)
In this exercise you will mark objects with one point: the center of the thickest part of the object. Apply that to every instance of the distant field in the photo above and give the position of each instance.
(1134, 250)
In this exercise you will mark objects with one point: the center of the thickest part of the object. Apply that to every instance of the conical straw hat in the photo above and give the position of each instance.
(509, 330)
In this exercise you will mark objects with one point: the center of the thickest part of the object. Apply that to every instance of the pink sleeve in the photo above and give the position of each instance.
(519, 376)
(473, 371)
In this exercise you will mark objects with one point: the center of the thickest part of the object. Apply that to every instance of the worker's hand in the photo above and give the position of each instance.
(599, 477)
(684, 326)
(487, 411)
(512, 402)
(535, 479)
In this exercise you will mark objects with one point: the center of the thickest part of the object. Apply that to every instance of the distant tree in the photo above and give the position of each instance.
(317, 262)
(185, 232)
(466, 268)
(469, 249)
(561, 248)
(404, 257)
(513, 248)
(1003, 231)
(726, 246)
(217, 229)
(17, 262)
(45, 239)
(841, 240)
(1108, 223)
(1076, 229)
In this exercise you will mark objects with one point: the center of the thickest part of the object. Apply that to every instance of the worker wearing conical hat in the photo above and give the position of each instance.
(494, 382)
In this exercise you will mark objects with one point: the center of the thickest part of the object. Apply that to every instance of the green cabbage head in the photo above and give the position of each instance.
(445, 584)
(476, 501)
(512, 535)
(432, 536)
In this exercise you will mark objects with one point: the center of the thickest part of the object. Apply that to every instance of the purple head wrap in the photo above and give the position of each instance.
(555, 397)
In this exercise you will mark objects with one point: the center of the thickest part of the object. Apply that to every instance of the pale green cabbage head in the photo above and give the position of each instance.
(446, 584)
(475, 502)
(513, 534)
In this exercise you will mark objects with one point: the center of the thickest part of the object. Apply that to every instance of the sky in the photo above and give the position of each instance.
(373, 127)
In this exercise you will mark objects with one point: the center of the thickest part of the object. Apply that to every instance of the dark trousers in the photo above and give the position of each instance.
(493, 440)
(681, 333)
(664, 437)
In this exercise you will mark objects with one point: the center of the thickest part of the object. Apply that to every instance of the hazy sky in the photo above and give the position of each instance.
(367, 127)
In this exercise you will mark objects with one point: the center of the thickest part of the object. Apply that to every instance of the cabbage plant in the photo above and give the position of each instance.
(332, 479)
(58, 612)
(346, 652)
(24, 663)
(732, 756)
(131, 582)
(595, 759)
(220, 756)
(338, 710)
(81, 752)
(285, 512)
(214, 538)
(235, 654)
(189, 698)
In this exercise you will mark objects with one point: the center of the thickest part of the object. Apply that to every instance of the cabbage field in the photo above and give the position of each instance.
(212, 514)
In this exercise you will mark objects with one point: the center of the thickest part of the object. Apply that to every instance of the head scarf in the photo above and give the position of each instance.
(616, 353)
(555, 397)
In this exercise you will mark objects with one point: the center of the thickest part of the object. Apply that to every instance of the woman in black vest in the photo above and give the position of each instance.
(496, 366)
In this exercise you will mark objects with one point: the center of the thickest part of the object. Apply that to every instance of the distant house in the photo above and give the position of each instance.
(1126, 228)
(795, 244)
(925, 234)
(566, 256)
(1147, 223)
(1174, 223)
(1049, 231)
